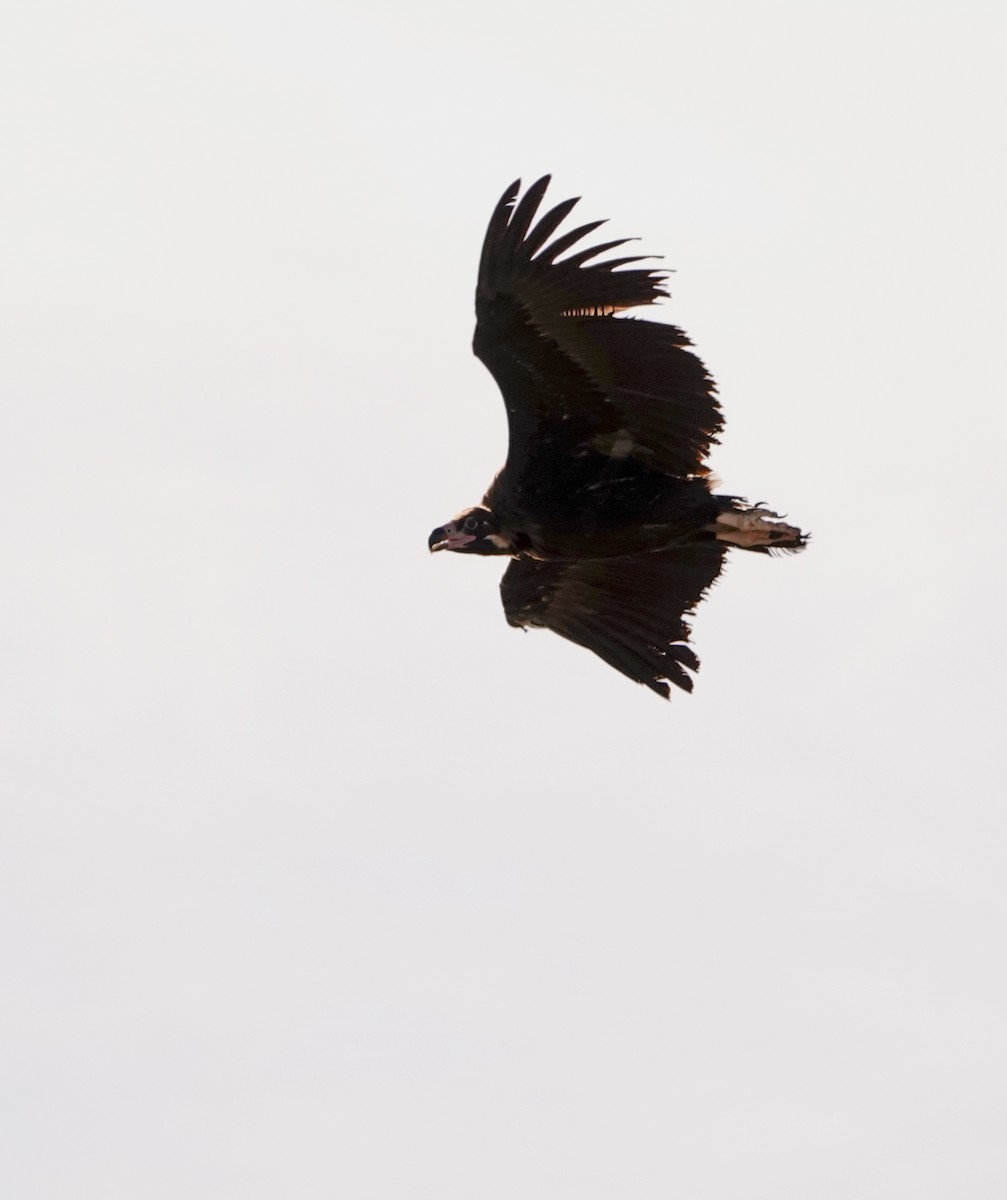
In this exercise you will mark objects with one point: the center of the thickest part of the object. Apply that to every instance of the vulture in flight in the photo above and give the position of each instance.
(605, 505)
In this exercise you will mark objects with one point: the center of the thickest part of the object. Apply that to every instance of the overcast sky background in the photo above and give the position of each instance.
(317, 879)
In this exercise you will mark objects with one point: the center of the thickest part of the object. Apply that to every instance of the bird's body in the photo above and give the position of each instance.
(604, 504)
(599, 507)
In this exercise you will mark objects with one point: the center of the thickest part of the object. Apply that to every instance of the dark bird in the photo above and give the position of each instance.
(605, 504)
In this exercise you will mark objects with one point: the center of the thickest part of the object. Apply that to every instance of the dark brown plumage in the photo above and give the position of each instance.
(604, 503)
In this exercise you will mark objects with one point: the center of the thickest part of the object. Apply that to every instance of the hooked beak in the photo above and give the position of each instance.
(449, 537)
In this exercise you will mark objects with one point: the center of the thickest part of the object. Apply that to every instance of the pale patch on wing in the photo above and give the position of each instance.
(622, 445)
(616, 445)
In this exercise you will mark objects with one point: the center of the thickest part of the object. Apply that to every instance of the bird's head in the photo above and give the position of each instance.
(474, 531)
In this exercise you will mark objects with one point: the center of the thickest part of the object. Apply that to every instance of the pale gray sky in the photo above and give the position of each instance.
(317, 879)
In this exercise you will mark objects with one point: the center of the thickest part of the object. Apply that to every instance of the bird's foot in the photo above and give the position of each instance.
(755, 527)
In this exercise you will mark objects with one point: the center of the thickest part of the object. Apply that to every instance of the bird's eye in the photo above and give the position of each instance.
(471, 523)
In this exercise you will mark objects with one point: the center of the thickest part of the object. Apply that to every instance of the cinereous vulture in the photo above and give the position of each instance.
(605, 505)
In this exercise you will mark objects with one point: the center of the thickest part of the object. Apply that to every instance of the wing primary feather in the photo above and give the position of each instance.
(524, 214)
(612, 263)
(589, 252)
(556, 248)
(548, 225)
(496, 228)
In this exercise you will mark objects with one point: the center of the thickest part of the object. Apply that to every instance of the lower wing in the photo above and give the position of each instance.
(630, 611)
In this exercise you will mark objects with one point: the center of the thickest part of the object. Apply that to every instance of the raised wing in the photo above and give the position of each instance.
(630, 611)
(573, 375)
